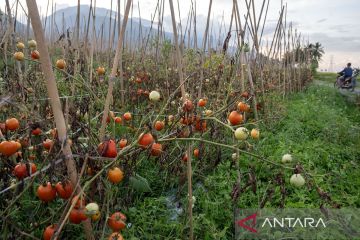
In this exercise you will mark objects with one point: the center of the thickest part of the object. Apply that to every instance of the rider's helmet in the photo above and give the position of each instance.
(349, 64)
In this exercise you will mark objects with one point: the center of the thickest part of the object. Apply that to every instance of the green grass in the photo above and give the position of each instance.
(319, 129)
(327, 77)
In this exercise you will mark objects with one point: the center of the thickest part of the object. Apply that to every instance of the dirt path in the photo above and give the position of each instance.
(351, 96)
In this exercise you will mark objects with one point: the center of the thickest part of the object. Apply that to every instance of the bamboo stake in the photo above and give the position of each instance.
(118, 57)
(203, 50)
(181, 76)
(93, 41)
(178, 53)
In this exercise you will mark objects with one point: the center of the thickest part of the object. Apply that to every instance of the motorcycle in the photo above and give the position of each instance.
(348, 83)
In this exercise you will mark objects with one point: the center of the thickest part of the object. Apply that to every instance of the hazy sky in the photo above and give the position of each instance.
(335, 24)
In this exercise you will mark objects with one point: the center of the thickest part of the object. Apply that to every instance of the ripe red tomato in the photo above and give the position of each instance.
(33, 168)
(188, 106)
(35, 54)
(243, 107)
(235, 118)
(156, 149)
(77, 216)
(196, 152)
(46, 192)
(122, 143)
(64, 189)
(36, 131)
(200, 125)
(108, 149)
(49, 231)
(159, 125)
(117, 120)
(202, 102)
(20, 171)
(80, 202)
(115, 236)
(127, 116)
(145, 140)
(48, 143)
(117, 221)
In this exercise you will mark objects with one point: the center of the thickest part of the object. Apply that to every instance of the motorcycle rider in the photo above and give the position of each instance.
(347, 72)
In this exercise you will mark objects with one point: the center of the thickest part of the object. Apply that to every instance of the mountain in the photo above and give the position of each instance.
(66, 19)
(19, 27)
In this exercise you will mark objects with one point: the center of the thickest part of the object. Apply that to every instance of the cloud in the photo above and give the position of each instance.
(343, 28)
(342, 42)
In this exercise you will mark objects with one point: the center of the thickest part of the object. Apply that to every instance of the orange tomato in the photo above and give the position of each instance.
(117, 221)
(156, 149)
(35, 54)
(255, 133)
(159, 125)
(122, 143)
(80, 202)
(108, 149)
(196, 152)
(64, 189)
(33, 168)
(100, 71)
(115, 175)
(115, 236)
(185, 158)
(36, 131)
(20, 171)
(243, 107)
(77, 216)
(47, 144)
(61, 64)
(117, 120)
(200, 125)
(12, 124)
(235, 118)
(127, 116)
(46, 192)
(202, 102)
(49, 231)
(8, 148)
(188, 106)
(145, 139)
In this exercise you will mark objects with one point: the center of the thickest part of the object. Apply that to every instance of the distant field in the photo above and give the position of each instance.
(328, 77)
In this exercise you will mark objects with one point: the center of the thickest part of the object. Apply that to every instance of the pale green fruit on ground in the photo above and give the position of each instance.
(154, 96)
(286, 158)
(241, 133)
(91, 209)
(297, 180)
